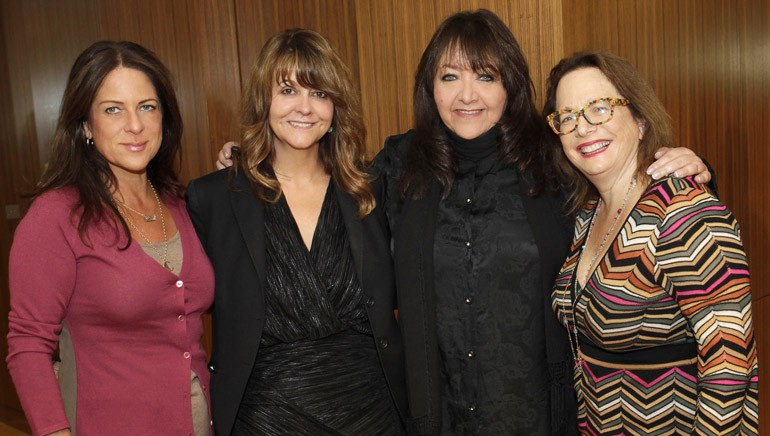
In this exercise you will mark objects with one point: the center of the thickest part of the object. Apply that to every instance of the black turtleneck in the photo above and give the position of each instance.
(477, 148)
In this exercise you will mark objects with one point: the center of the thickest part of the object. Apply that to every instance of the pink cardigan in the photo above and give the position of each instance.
(135, 327)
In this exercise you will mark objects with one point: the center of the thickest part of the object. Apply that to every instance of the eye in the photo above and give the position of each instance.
(147, 107)
(319, 94)
(600, 108)
(484, 77)
(448, 77)
(288, 91)
(566, 118)
(112, 110)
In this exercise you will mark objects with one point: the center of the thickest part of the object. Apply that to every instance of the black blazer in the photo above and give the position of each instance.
(413, 225)
(229, 220)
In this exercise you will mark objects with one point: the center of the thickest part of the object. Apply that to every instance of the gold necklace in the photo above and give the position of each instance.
(577, 354)
(146, 239)
(147, 218)
(600, 249)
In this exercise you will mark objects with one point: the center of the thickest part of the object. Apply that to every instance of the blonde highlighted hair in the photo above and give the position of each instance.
(310, 58)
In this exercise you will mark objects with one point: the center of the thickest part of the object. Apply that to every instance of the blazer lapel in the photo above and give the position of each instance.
(249, 213)
(354, 228)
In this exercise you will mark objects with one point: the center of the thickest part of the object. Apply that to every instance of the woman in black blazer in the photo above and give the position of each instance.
(305, 336)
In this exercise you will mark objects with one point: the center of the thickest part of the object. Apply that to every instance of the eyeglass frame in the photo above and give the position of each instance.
(613, 101)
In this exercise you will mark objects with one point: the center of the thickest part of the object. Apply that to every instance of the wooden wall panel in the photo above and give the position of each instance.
(393, 33)
(709, 62)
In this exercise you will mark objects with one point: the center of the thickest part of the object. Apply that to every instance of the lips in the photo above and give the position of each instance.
(300, 124)
(594, 147)
(135, 146)
(467, 112)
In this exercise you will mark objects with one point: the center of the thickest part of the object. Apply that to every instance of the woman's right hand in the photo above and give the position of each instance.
(224, 158)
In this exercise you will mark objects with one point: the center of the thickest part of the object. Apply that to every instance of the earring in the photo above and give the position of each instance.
(331, 129)
(90, 142)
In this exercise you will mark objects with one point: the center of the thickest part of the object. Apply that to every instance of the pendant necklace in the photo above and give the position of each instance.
(573, 331)
(149, 218)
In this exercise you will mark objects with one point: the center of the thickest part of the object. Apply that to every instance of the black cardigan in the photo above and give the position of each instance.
(413, 228)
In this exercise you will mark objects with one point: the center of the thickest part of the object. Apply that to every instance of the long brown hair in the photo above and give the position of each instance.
(73, 162)
(316, 65)
(644, 105)
(486, 44)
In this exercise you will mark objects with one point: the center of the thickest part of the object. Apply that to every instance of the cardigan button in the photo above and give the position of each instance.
(383, 343)
(370, 302)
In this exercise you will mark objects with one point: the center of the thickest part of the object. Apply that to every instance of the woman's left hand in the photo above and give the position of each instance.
(681, 162)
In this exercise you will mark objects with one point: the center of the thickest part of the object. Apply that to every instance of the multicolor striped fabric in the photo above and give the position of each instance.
(665, 326)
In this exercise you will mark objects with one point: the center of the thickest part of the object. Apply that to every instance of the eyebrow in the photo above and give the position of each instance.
(121, 102)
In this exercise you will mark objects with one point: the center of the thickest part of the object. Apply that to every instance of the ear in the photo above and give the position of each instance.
(642, 128)
(87, 130)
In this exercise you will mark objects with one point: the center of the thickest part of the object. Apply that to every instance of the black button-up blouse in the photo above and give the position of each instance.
(489, 309)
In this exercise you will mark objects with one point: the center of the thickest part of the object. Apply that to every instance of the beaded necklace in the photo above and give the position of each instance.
(573, 332)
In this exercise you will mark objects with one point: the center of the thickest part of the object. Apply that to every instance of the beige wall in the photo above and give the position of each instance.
(709, 60)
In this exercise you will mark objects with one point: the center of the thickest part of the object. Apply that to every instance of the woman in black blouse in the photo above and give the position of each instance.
(305, 337)
(478, 238)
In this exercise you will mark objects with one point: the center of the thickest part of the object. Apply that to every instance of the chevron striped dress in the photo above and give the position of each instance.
(664, 326)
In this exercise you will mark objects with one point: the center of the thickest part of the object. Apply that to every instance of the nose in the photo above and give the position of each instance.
(584, 127)
(134, 122)
(468, 91)
(303, 104)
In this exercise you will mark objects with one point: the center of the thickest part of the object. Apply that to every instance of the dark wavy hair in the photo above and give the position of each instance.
(486, 44)
(644, 105)
(75, 163)
(316, 65)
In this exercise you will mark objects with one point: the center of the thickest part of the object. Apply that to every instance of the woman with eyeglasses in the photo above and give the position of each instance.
(655, 293)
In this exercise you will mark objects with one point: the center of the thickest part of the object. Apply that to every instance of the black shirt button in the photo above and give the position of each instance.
(471, 354)
(468, 300)
(472, 408)
(370, 302)
(383, 343)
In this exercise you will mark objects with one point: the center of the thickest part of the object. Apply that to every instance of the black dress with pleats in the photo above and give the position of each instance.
(317, 370)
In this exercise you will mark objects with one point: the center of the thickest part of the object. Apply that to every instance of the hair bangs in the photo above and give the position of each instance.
(475, 52)
(310, 69)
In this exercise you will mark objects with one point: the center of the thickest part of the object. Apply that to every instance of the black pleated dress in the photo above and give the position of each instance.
(317, 370)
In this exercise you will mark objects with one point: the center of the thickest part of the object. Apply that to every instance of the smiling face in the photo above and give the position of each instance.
(299, 117)
(469, 103)
(607, 152)
(125, 121)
